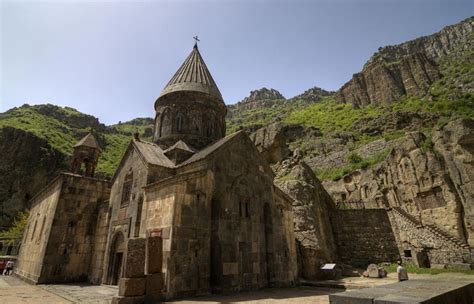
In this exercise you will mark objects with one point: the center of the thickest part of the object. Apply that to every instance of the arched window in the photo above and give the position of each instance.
(127, 189)
(179, 122)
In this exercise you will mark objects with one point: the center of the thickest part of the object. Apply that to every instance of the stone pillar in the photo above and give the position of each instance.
(132, 286)
(154, 275)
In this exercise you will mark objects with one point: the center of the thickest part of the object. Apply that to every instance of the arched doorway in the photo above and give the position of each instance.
(117, 250)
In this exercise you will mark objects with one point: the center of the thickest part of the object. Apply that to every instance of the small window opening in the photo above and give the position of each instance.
(407, 253)
(70, 227)
(34, 230)
(138, 221)
(240, 209)
(41, 230)
(210, 127)
(179, 122)
(127, 189)
(196, 253)
(247, 213)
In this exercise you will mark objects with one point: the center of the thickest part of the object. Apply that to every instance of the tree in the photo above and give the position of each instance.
(16, 230)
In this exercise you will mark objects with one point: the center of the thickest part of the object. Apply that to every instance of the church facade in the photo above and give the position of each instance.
(222, 223)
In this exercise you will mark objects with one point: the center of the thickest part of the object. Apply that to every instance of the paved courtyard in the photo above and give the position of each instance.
(14, 291)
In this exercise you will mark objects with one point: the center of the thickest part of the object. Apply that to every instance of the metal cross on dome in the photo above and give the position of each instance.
(196, 38)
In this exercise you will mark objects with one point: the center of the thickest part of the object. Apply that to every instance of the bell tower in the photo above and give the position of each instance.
(85, 156)
(190, 108)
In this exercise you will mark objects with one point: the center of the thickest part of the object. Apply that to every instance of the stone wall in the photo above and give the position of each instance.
(364, 236)
(60, 243)
(202, 119)
(224, 225)
(70, 247)
(36, 236)
(248, 250)
(100, 242)
(128, 217)
(179, 210)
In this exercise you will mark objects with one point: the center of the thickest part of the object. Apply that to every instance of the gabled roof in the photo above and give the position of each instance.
(152, 153)
(181, 145)
(88, 141)
(212, 148)
(193, 75)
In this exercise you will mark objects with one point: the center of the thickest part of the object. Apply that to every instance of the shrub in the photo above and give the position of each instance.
(426, 145)
(354, 158)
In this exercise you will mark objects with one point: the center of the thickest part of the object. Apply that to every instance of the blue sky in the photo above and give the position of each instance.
(111, 59)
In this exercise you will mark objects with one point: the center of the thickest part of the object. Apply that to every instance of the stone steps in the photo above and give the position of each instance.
(414, 222)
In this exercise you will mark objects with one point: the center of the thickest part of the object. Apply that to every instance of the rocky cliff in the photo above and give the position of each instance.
(311, 206)
(311, 203)
(429, 178)
(405, 69)
(27, 163)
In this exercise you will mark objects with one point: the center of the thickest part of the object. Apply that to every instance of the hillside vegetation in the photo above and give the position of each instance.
(36, 141)
(62, 127)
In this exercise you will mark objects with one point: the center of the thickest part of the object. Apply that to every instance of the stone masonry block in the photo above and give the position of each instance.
(135, 258)
(154, 285)
(154, 254)
(132, 286)
(128, 300)
(230, 268)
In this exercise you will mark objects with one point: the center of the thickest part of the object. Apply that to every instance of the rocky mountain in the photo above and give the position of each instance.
(266, 106)
(314, 94)
(262, 94)
(411, 68)
(330, 136)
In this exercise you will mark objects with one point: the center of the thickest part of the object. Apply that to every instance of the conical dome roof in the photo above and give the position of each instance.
(193, 75)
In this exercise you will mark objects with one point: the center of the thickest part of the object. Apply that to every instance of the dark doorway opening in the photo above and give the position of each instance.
(423, 259)
(117, 250)
(116, 268)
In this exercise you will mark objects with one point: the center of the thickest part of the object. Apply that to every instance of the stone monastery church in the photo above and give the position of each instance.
(192, 212)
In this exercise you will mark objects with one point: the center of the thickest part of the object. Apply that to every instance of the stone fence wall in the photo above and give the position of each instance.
(364, 236)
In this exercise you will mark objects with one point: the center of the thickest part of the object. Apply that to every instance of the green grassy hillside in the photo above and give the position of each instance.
(62, 127)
